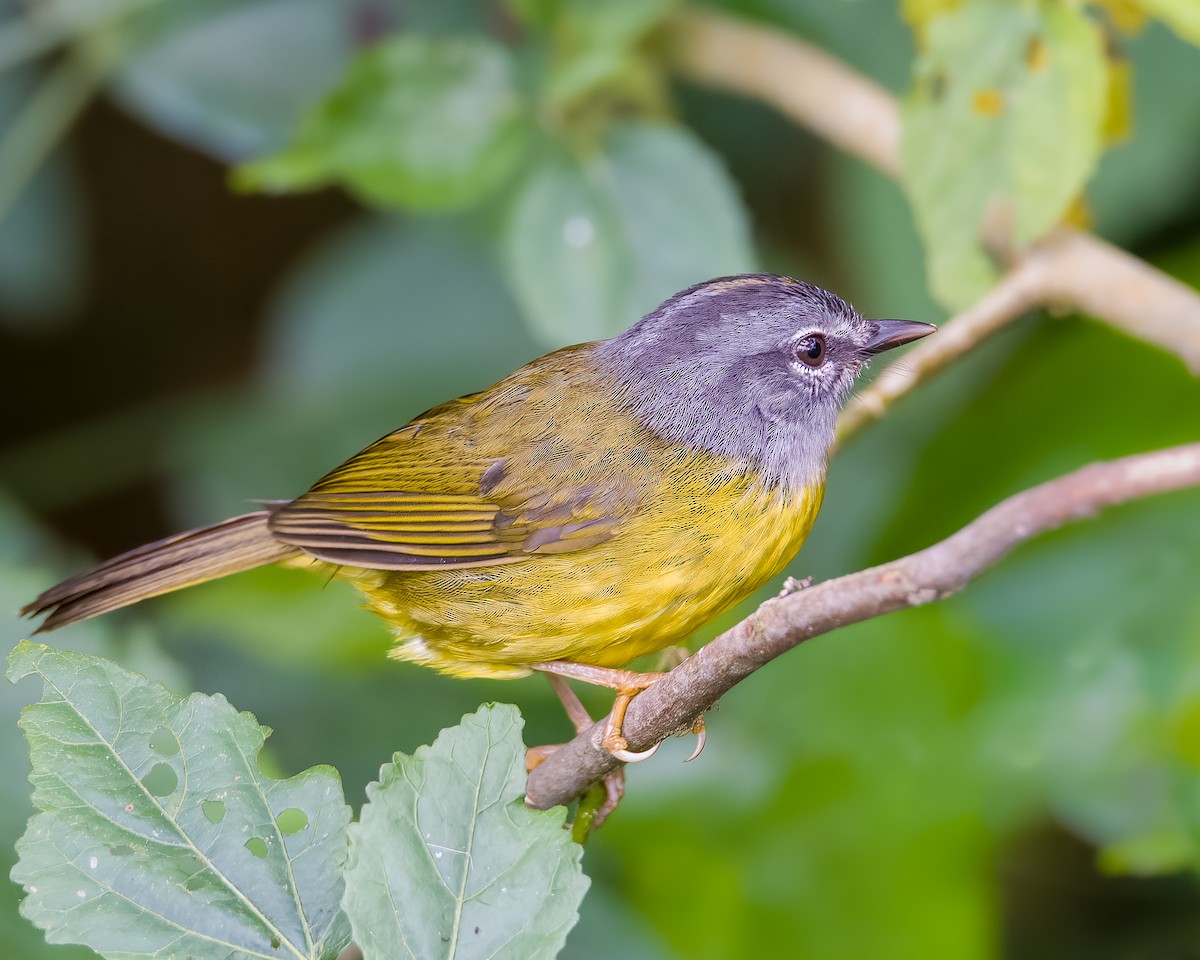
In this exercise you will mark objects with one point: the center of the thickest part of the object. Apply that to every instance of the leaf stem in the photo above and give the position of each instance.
(780, 624)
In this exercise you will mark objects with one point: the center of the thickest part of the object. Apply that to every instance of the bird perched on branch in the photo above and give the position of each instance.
(600, 503)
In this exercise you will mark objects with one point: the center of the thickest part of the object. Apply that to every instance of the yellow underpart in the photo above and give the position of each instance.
(603, 541)
(701, 546)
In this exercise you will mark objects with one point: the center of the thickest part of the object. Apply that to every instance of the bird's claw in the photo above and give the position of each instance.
(635, 756)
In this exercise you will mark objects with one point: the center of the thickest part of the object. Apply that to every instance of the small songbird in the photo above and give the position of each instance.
(602, 502)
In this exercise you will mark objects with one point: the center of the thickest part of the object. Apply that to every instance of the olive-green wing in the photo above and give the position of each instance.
(424, 498)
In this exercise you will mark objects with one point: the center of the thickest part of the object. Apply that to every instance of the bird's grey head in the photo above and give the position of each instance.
(752, 367)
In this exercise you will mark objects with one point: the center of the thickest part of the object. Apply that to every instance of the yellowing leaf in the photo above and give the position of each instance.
(1078, 215)
(1006, 114)
(987, 103)
(919, 13)
(1118, 118)
(1182, 16)
(1126, 15)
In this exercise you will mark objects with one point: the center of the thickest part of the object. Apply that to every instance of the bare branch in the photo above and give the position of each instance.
(781, 624)
(803, 82)
(1091, 276)
(1067, 269)
(1018, 292)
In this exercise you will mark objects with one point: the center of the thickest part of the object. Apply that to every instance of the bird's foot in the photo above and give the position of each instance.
(701, 731)
(627, 683)
(596, 804)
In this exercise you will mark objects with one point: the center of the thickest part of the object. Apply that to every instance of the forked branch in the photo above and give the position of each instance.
(932, 574)
(1067, 270)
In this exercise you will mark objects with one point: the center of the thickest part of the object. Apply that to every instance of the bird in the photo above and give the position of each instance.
(600, 503)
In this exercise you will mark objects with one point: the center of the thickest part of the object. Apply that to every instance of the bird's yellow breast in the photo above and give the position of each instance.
(706, 534)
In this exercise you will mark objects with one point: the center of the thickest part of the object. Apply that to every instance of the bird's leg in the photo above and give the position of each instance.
(700, 729)
(614, 781)
(627, 683)
(571, 703)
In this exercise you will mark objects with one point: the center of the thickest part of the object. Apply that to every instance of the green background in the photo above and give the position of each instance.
(1014, 772)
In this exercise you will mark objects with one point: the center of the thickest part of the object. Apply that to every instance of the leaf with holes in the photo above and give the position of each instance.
(448, 862)
(158, 835)
(1001, 132)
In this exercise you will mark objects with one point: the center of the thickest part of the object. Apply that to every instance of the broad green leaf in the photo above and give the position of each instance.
(22, 576)
(1182, 16)
(595, 43)
(566, 256)
(1004, 125)
(448, 862)
(682, 215)
(611, 21)
(234, 80)
(592, 245)
(919, 13)
(383, 320)
(416, 122)
(416, 308)
(616, 21)
(158, 835)
(538, 13)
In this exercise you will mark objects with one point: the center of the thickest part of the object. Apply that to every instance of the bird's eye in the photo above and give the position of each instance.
(811, 350)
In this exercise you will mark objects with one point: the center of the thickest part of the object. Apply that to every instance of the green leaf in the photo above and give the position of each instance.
(565, 256)
(158, 835)
(595, 42)
(537, 13)
(613, 21)
(918, 13)
(1004, 123)
(682, 215)
(420, 123)
(379, 323)
(1182, 16)
(234, 80)
(592, 245)
(448, 862)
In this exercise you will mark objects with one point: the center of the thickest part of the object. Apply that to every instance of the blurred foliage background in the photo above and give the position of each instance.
(461, 186)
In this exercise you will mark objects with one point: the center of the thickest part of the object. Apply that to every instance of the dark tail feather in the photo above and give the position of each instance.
(240, 543)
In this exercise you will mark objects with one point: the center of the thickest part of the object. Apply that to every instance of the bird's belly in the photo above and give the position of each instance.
(649, 587)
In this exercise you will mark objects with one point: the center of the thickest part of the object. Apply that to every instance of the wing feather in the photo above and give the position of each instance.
(424, 497)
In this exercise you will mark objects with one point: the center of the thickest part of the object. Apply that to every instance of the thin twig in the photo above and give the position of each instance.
(1095, 278)
(1017, 293)
(803, 82)
(783, 623)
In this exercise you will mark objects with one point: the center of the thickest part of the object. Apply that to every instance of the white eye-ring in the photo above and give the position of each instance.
(810, 350)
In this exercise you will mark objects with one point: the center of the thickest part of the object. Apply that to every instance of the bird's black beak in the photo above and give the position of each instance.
(892, 333)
